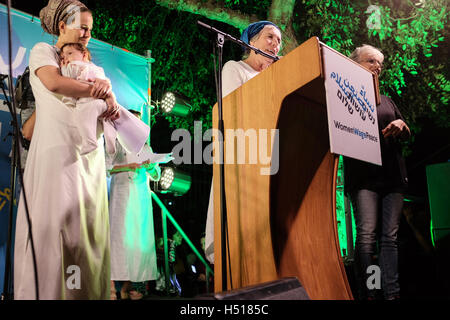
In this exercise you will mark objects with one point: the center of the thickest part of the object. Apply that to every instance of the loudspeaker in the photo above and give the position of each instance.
(282, 289)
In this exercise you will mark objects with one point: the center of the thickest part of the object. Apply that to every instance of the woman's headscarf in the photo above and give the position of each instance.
(253, 29)
(56, 11)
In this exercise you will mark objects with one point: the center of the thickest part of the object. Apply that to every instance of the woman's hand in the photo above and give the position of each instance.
(100, 89)
(125, 168)
(154, 171)
(396, 128)
(133, 166)
(112, 113)
(148, 165)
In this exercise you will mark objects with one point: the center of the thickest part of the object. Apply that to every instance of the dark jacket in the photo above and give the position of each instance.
(391, 176)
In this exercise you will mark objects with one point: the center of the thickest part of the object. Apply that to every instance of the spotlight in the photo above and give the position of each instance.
(174, 181)
(174, 103)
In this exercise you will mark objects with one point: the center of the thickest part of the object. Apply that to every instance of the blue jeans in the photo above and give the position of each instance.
(367, 207)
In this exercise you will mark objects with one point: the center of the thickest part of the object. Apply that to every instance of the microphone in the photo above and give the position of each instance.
(238, 41)
(205, 25)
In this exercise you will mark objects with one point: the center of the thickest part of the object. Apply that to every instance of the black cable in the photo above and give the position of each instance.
(229, 256)
(17, 163)
(218, 94)
(215, 70)
(6, 294)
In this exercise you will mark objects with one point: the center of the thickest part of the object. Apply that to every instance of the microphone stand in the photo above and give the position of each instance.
(7, 294)
(221, 37)
(15, 162)
(238, 41)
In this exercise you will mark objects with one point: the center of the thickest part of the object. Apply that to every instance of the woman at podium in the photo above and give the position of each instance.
(265, 36)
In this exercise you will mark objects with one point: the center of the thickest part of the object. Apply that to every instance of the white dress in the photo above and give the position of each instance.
(133, 253)
(67, 201)
(130, 131)
(234, 75)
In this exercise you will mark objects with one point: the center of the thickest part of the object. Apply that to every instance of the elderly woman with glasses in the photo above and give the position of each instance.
(376, 192)
(263, 35)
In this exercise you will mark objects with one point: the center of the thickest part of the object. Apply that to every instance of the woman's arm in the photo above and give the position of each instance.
(112, 113)
(52, 79)
(125, 168)
(397, 129)
(28, 126)
(55, 82)
(102, 84)
(153, 170)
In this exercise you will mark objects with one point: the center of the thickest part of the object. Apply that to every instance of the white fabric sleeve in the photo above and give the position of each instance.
(231, 77)
(71, 71)
(94, 72)
(110, 159)
(43, 55)
(99, 72)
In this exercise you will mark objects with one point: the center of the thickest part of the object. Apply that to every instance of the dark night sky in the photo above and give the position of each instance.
(32, 7)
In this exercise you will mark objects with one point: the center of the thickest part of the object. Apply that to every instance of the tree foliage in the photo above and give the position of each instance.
(412, 36)
(182, 53)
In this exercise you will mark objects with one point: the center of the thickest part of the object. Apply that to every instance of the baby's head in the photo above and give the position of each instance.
(74, 52)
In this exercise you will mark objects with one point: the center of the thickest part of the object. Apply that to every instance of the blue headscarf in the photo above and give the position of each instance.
(253, 29)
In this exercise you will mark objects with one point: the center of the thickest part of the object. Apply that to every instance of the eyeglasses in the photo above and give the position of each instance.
(374, 61)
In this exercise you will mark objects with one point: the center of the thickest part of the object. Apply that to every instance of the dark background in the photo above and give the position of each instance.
(423, 269)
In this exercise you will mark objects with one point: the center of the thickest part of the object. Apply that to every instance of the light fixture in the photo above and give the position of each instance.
(174, 181)
(174, 103)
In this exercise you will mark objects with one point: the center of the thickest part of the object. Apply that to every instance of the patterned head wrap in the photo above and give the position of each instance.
(253, 29)
(56, 11)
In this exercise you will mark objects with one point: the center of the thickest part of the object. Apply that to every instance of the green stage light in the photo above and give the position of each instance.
(174, 181)
(174, 103)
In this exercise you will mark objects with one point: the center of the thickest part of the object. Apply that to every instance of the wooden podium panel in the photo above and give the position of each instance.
(285, 224)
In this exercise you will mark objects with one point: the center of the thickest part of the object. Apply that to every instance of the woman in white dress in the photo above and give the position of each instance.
(133, 252)
(263, 35)
(66, 192)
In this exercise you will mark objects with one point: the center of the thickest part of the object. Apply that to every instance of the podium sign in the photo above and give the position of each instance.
(351, 108)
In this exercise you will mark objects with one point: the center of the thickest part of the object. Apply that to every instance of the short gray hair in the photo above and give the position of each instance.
(365, 47)
(247, 50)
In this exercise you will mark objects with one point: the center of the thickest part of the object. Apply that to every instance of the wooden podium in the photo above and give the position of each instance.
(282, 225)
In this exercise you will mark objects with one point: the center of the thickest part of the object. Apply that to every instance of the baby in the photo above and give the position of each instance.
(131, 132)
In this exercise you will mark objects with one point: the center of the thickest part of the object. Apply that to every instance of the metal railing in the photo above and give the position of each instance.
(166, 214)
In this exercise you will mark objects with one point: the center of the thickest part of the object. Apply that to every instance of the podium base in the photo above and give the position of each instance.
(282, 289)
